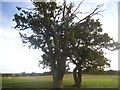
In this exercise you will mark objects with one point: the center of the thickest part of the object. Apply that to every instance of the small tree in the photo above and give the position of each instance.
(86, 50)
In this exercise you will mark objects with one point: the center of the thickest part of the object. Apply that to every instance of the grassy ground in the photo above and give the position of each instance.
(89, 81)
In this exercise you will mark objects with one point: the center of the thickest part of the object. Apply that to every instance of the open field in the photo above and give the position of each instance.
(89, 81)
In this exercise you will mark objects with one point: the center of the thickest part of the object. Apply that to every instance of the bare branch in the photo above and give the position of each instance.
(78, 6)
(91, 14)
(81, 12)
(117, 48)
(73, 61)
(64, 8)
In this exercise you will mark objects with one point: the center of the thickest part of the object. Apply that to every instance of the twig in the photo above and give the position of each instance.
(78, 6)
(90, 15)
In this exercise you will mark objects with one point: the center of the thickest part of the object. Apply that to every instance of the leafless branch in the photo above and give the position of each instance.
(95, 12)
(117, 48)
(73, 61)
(64, 8)
(81, 12)
(78, 6)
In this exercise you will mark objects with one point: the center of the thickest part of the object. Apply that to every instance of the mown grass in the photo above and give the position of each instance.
(89, 81)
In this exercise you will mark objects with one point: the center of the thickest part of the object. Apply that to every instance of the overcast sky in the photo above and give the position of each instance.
(15, 58)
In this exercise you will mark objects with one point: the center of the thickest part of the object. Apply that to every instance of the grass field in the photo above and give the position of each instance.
(89, 81)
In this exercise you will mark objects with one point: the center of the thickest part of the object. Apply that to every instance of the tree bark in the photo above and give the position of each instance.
(58, 74)
(57, 80)
(77, 75)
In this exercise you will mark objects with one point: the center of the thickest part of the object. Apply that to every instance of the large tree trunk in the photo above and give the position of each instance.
(57, 80)
(77, 75)
(58, 74)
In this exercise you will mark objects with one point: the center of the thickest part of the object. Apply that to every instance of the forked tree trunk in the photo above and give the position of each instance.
(77, 75)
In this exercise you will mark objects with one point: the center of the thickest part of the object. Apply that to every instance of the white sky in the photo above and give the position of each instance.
(15, 58)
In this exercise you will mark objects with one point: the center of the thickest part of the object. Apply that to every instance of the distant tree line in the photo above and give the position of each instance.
(112, 72)
(94, 72)
(23, 74)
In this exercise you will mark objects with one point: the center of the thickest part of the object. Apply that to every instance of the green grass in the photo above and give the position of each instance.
(89, 81)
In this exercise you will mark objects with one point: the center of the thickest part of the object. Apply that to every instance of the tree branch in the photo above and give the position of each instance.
(78, 7)
(64, 9)
(73, 61)
(90, 15)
